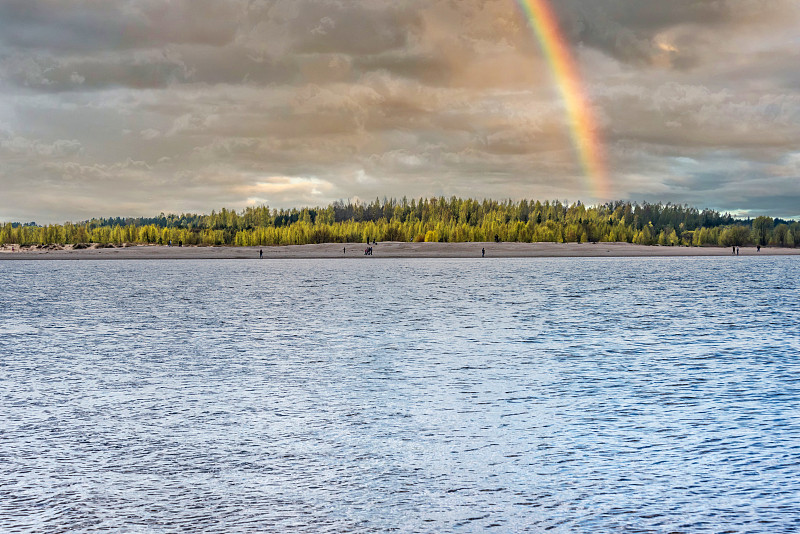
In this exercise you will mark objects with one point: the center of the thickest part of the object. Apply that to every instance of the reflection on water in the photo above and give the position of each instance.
(577, 395)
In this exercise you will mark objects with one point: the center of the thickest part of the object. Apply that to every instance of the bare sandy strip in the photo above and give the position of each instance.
(381, 250)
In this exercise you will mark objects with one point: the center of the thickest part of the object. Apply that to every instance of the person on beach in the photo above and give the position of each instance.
(758, 248)
(734, 250)
(483, 252)
(344, 250)
(260, 253)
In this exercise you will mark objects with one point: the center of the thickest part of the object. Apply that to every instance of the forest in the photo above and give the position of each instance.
(424, 219)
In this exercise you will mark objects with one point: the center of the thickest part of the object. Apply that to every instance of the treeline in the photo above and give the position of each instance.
(433, 219)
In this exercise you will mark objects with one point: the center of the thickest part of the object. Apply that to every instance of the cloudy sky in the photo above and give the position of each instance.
(134, 107)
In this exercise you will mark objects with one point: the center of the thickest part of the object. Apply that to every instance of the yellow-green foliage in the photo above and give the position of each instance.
(433, 219)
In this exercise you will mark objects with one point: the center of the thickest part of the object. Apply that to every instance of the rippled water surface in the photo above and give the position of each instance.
(575, 395)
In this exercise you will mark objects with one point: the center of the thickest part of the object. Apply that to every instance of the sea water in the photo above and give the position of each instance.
(370, 395)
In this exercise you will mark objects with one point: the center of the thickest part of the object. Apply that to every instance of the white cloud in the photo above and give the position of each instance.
(150, 133)
(18, 145)
(285, 185)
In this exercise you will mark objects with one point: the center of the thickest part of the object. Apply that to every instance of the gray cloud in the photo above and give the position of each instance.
(89, 26)
(676, 33)
(137, 107)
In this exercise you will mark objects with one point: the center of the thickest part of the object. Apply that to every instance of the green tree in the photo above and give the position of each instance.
(762, 227)
(782, 236)
(736, 235)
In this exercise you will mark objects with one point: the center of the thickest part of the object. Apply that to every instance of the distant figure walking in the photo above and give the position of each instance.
(261, 254)
(734, 250)
(344, 250)
(483, 252)
(758, 248)
(737, 251)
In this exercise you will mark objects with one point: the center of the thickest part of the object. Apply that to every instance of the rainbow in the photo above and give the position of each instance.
(583, 127)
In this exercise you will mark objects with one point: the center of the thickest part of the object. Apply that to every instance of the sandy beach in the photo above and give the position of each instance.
(381, 250)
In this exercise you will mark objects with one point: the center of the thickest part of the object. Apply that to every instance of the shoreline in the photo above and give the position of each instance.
(391, 249)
